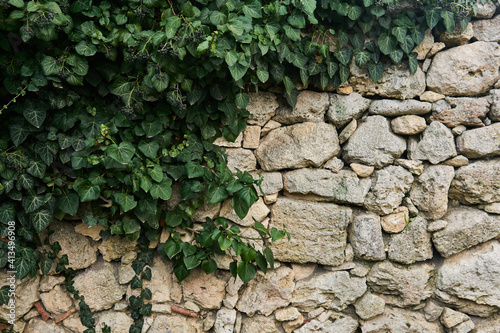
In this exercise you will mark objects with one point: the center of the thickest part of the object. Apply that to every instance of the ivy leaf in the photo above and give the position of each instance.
(156, 173)
(209, 266)
(17, 3)
(413, 62)
(85, 49)
(407, 45)
(376, 70)
(126, 201)
(18, 133)
(243, 199)
(396, 56)
(343, 73)
(7, 212)
(354, 12)
(344, 55)
(194, 170)
(171, 248)
(238, 71)
(400, 33)
(24, 265)
(261, 261)
(242, 100)
(26, 181)
(448, 20)
(130, 225)
(216, 194)
(122, 153)
(246, 271)
(253, 9)
(262, 75)
(231, 57)
(45, 151)
(431, 17)
(40, 220)
(50, 66)
(163, 190)
(4, 294)
(46, 265)
(160, 81)
(361, 58)
(151, 128)
(36, 169)
(32, 203)
(150, 149)
(218, 18)
(386, 43)
(269, 256)
(86, 190)
(191, 262)
(69, 203)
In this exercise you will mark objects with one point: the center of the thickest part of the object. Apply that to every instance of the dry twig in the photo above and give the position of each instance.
(183, 311)
(45, 315)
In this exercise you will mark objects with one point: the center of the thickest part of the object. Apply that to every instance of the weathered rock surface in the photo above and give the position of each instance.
(348, 131)
(457, 36)
(395, 222)
(115, 247)
(415, 167)
(37, 325)
(331, 290)
(261, 324)
(162, 324)
(374, 143)
(272, 182)
(486, 10)
(477, 183)
(465, 70)
(341, 187)
(251, 137)
(390, 107)
(206, 210)
(222, 142)
(362, 170)
(257, 211)
(401, 285)
(340, 323)
(473, 275)
(369, 306)
(396, 82)
(423, 48)
(451, 318)
(462, 111)
(206, 291)
(99, 286)
(262, 106)
(298, 146)
(408, 125)
(311, 107)
(117, 321)
(161, 280)
(344, 108)
(480, 142)
(224, 322)
(239, 158)
(400, 320)
(487, 30)
(325, 239)
(26, 295)
(56, 301)
(466, 227)
(437, 144)
(466, 306)
(488, 325)
(412, 244)
(389, 186)
(495, 105)
(430, 192)
(365, 237)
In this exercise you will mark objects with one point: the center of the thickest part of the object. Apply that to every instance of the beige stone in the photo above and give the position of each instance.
(50, 281)
(92, 232)
(207, 291)
(345, 90)
(492, 208)
(431, 96)
(369, 306)
(487, 30)
(261, 324)
(303, 271)
(335, 164)
(362, 170)
(436, 48)
(415, 167)
(458, 37)
(258, 211)
(395, 222)
(251, 137)
(408, 125)
(161, 280)
(242, 159)
(26, 295)
(270, 198)
(457, 161)
(424, 47)
(37, 325)
(348, 131)
(450, 318)
(290, 326)
(57, 301)
(437, 225)
(270, 125)
(117, 321)
(287, 314)
(115, 247)
(222, 142)
(164, 323)
(432, 311)
(261, 106)
(458, 130)
(412, 244)
(310, 107)
(400, 320)
(480, 142)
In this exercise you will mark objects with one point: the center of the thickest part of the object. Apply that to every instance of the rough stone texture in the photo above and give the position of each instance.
(258, 211)
(251, 137)
(50, 281)
(176, 324)
(389, 186)
(437, 225)
(477, 183)
(37, 325)
(272, 182)
(457, 36)
(303, 271)
(488, 325)
(430, 192)
(423, 48)
(365, 236)
(92, 232)
(473, 275)
(412, 244)
(325, 239)
(374, 143)
(396, 82)
(408, 125)
(117, 321)
(331, 290)
(210, 211)
(340, 323)
(224, 322)
(415, 167)
(401, 285)
(480, 142)
(270, 125)
(335, 164)
(80, 250)
(56, 301)
(431, 96)
(457, 161)
(341, 187)
(464, 305)
(298, 146)
(362, 170)
(206, 291)
(26, 295)
(465, 70)
(464, 327)
(493, 208)
(389, 107)
(485, 11)
(432, 311)
(395, 222)
(222, 142)
(487, 30)
(115, 247)
(463, 111)
(287, 314)
(345, 108)
(239, 158)
(99, 286)
(495, 105)
(348, 131)
(369, 306)
(259, 324)
(400, 320)
(262, 106)
(161, 280)
(437, 144)
(466, 227)
(267, 293)
(451, 318)
(311, 107)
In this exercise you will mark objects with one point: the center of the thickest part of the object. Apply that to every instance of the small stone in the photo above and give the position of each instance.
(415, 167)
(262, 106)
(401, 321)
(390, 107)
(365, 237)
(272, 182)
(125, 274)
(270, 125)
(464, 327)
(270, 198)
(209, 322)
(222, 142)
(437, 225)
(437, 144)
(450, 318)
(457, 37)
(239, 158)
(310, 107)
(349, 253)
(411, 207)
(258, 211)
(37, 325)
(340, 324)
(115, 247)
(206, 210)
(458, 130)
(57, 301)
(395, 222)
(315, 313)
(345, 90)
(486, 10)
(362, 170)
(344, 267)
(495, 105)
(191, 306)
(261, 324)
(432, 311)
(431, 96)
(492, 208)
(436, 48)
(49, 282)
(348, 131)
(129, 257)
(344, 108)
(369, 306)
(335, 164)
(290, 326)
(480, 142)
(360, 270)
(412, 244)
(33, 313)
(251, 137)
(287, 314)
(425, 67)
(224, 321)
(117, 321)
(457, 161)
(424, 47)
(408, 125)
(121, 306)
(92, 232)
(161, 308)
(461, 111)
(303, 271)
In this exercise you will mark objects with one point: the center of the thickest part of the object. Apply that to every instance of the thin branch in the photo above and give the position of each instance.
(45, 315)
(183, 311)
(66, 315)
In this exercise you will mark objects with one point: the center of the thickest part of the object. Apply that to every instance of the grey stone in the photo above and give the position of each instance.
(495, 105)
(340, 323)
(430, 192)
(480, 142)
(458, 130)
(450, 318)
(298, 146)
(391, 108)
(473, 275)
(270, 125)
(487, 30)
(258, 211)
(466, 306)
(400, 321)
(457, 161)
(374, 143)
(412, 244)
(37, 325)
(408, 125)
(415, 167)
(287, 314)
(224, 322)
(396, 82)
(335, 164)
(311, 107)
(325, 239)
(348, 131)
(437, 225)
(464, 327)
(365, 236)
(331, 290)
(466, 227)
(466, 70)
(488, 325)
(401, 285)
(272, 182)
(462, 111)
(369, 306)
(477, 183)
(389, 186)
(437, 144)
(344, 108)
(341, 187)
(262, 106)
(486, 10)
(432, 311)
(239, 158)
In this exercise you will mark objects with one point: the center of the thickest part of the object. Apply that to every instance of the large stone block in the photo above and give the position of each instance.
(298, 146)
(466, 70)
(344, 108)
(261, 106)
(311, 107)
(325, 239)
(480, 142)
(163, 324)
(374, 143)
(461, 111)
(437, 144)
(206, 291)
(487, 30)
(400, 321)
(412, 244)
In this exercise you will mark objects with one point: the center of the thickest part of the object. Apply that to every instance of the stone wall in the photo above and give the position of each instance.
(391, 193)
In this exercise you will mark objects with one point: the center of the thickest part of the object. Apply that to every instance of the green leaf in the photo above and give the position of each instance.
(4, 295)
(292, 33)
(344, 55)
(262, 75)
(209, 266)
(448, 20)
(26, 181)
(50, 66)
(431, 17)
(36, 169)
(408, 45)
(354, 12)
(86, 190)
(269, 256)
(162, 190)
(32, 203)
(126, 201)
(231, 57)
(17, 3)
(238, 71)
(172, 24)
(361, 58)
(377, 11)
(171, 248)
(218, 18)
(376, 70)
(216, 194)
(149, 149)
(253, 9)
(122, 153)
(396, 56)
(7, 212)
(160, 81)
(194, 170)
(413, 62)
(151, 128)
(242, 100)
(261, 261)
(18, 133)
(191, 262)
(156, 173)
(400, 33)
(246, 271)
(130, 225)
(343, 73)
(387, 43)
(236, 27)
(40, 220)
(243, 199)
(85, 49)
(46, 265)
(224, 243)
(24, 265)
(69, 203)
